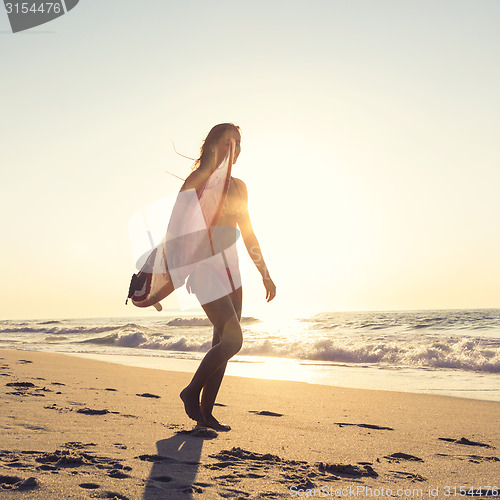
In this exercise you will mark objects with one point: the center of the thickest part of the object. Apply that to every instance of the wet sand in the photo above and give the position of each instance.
(80, 428)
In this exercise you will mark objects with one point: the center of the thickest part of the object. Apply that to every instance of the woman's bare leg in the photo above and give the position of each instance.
(209, 394)
(222, 314)
(211, 387)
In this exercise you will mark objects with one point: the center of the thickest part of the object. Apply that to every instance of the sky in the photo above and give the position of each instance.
(369, 148)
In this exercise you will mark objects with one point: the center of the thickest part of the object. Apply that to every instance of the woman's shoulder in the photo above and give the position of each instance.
(240, 185)
(195, 179)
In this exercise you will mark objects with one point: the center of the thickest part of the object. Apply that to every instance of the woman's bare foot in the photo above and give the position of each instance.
(213, 423)
(191, 404)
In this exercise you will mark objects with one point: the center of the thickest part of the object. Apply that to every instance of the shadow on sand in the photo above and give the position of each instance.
(174, 468)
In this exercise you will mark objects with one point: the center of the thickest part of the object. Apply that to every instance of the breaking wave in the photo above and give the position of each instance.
(461, 354)
(459, 340)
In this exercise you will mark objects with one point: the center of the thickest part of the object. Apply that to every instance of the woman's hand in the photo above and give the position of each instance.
(270, 288)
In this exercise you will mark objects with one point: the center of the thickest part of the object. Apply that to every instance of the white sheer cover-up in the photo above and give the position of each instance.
(196, 249)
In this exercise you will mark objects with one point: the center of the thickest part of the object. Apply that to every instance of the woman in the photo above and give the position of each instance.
(224, 312)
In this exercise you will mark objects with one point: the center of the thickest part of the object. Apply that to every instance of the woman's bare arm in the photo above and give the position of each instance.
(252, 244)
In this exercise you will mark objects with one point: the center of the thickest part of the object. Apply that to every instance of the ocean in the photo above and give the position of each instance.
(449, 352)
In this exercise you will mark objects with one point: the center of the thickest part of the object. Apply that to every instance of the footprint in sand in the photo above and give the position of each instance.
(348, 470)
(89, 486)
(396, 457)
(266, 413)
(365, 426)
(17, 483)
(238, 464)
(20, 385)
(148, 395)
(26, 389)
(466, 442)
(75, 456)
(91, 411)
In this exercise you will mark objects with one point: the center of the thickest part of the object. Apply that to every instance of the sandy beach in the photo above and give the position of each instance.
(79, 428)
